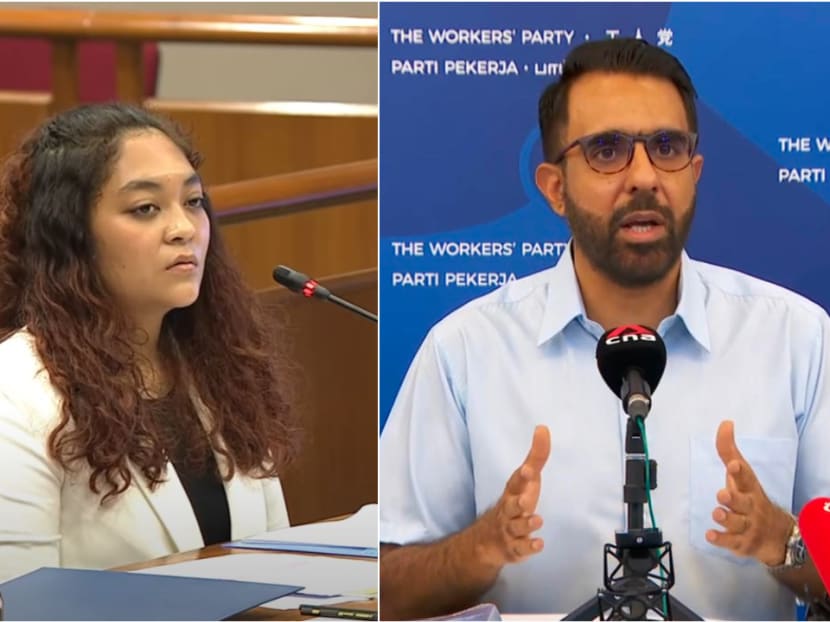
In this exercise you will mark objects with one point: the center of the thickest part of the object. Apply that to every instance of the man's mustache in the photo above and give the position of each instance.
(642, 202)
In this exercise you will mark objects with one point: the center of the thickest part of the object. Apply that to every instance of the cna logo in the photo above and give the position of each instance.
(633, 332)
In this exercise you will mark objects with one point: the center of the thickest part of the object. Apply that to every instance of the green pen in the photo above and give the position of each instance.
(338, 612)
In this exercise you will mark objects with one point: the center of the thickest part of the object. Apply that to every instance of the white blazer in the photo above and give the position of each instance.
(49, 516)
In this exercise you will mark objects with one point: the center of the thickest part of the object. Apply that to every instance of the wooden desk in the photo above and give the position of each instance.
(257, 613)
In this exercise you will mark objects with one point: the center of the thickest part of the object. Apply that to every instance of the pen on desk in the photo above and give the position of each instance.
(338, 612)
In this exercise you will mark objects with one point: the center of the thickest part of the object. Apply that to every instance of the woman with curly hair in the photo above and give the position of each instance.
(142, 408)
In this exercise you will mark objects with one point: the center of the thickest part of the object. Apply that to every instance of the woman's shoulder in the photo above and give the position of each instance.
(24, 381)
(19, 358)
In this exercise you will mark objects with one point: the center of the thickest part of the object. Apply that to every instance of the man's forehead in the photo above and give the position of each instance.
(600, 79)
(625, 101)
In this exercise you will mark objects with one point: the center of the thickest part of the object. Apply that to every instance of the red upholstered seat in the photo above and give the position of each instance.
(26, 65)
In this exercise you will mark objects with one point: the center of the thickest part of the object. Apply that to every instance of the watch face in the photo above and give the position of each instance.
(799, 552)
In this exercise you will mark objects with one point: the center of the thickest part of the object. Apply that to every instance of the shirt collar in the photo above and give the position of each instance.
(564, 303)
(691, 308)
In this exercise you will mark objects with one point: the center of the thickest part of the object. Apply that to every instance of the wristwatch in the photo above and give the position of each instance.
(796, 553)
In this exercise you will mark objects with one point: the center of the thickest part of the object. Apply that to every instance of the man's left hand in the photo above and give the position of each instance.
(753, 525)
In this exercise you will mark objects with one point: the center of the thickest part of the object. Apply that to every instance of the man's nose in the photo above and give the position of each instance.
(642, 174)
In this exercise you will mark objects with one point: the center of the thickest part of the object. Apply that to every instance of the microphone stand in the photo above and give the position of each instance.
(643, 569)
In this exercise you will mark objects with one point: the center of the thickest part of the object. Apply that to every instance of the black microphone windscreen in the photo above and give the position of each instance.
(293, 280)
(625, 347)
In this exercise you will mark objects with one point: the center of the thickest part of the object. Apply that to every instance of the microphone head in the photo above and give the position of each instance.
(814, 524)
(289, 278)
(299, 282)
(633, 346)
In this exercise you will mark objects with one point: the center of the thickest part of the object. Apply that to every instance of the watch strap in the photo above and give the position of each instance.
(795, 554)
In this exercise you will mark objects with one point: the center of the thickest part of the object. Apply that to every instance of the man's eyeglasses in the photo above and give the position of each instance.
(611, 152)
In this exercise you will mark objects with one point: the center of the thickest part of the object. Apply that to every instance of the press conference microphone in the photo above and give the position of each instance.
(308, 287)
(814, 524)
(631, 360)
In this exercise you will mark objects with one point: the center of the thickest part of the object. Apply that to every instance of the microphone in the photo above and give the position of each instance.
(814, 524)
(308, 287)
(631, 360)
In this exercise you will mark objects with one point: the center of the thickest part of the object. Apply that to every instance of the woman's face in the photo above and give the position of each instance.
(150, 228)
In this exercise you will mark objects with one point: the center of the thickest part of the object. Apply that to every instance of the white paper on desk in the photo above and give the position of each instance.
(319, 575)
(360, 529)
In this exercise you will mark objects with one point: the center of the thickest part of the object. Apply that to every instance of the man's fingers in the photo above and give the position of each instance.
(523, 526)
(535, 460)
(733, 522)
(738, 470)
(741, 473)
(539, 449)
(511, 506)
(518, 480)
(521, 504)
(524, 547)
(736, 501)
(726, 540)
(725, 442)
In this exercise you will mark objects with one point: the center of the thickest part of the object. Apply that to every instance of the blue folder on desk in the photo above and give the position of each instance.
(67, 594)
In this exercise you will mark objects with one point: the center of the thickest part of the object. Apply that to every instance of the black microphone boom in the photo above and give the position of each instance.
(308, 287)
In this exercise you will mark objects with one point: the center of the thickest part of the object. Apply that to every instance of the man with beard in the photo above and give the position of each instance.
(737, 428)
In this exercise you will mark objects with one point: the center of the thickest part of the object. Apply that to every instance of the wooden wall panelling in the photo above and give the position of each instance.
(256, 140)
(336, 472)
(20, 112)
(325, 241)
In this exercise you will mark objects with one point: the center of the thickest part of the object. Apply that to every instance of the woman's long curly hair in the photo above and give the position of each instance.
(220, 348)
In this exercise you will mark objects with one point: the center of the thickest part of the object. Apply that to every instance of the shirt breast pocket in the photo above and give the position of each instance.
(773, 461)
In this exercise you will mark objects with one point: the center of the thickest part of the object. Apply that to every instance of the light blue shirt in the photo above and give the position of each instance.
(738, 348)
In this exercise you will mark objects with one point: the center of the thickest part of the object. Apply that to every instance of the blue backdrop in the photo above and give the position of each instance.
(459, 212)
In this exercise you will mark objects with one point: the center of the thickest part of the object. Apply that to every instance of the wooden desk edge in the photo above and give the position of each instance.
(256, 613)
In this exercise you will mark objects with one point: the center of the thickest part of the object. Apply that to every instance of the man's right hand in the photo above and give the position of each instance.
(421, 580)
(507, 528)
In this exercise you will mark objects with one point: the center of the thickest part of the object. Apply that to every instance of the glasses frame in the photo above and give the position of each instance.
(634, 139)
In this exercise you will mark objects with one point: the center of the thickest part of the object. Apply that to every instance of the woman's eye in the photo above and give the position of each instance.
(144, 210)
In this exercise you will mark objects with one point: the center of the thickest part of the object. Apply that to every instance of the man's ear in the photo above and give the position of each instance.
(550, 179)
(697, 166)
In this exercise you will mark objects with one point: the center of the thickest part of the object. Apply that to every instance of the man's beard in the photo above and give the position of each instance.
(629, 264)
